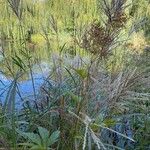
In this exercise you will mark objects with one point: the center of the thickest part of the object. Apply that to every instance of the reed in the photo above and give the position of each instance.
(96, 94)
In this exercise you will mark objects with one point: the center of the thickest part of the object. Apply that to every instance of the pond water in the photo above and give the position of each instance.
(39, 66)
(40, 71)
(25, 86)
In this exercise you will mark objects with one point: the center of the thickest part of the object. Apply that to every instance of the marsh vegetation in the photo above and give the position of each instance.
(75, 74)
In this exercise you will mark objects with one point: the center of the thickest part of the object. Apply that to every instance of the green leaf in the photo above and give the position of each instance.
(71, 75)
(37, 147)
(82, 73)
(75, 99)
(9, 104)
(34, 138)
(53, 138)
(44, 133)
(18, 61)
(62, 47)
(109, 122)
(95, 127)
(25, 54)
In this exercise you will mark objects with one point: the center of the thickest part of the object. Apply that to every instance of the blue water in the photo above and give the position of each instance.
(25, 88)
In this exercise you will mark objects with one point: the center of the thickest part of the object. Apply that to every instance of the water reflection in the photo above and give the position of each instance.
(40, 72)
(40, 63)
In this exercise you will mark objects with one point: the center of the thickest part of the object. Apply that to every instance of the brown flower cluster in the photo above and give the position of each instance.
(118, 20)
(96, 39)
(99, 39)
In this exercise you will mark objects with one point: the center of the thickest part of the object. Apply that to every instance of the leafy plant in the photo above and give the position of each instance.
(41, 140)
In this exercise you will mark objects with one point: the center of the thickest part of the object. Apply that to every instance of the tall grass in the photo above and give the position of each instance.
(96, 100)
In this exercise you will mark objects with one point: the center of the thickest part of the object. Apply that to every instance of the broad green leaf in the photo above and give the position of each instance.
(35, 138)
(44, 133)
(53, 138)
